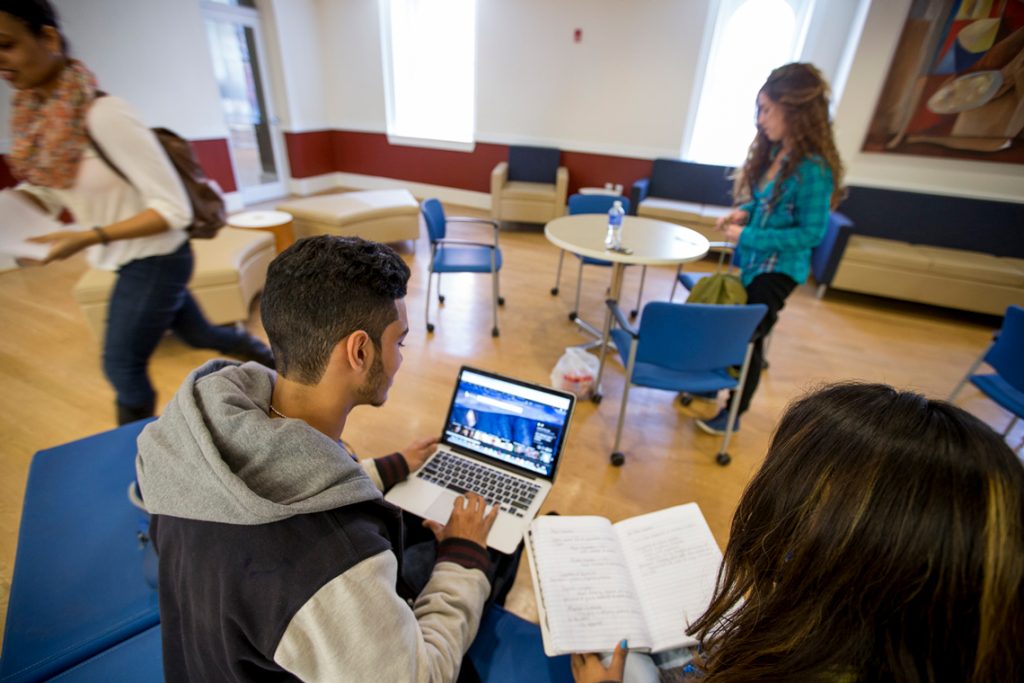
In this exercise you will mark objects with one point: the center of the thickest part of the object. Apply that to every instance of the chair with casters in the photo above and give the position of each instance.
(1005, 355)
(727, 257)
(596, 204)
(530, 187)
(460, 256)
(687, 348)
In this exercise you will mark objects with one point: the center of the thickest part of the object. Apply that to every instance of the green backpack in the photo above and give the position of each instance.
(720, 288)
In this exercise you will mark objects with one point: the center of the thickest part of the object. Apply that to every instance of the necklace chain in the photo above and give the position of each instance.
(277, 412)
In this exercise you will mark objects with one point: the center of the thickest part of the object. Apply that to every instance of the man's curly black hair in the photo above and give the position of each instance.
(322, 289)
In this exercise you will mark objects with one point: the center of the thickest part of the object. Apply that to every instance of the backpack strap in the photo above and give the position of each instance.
(99, 150)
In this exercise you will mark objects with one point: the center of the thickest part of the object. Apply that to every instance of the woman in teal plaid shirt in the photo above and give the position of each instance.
(790, 181)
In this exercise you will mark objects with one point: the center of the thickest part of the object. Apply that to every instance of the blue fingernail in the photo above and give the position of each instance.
(624, 644)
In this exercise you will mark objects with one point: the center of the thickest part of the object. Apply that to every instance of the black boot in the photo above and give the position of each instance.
(126, 414)
(251, 348)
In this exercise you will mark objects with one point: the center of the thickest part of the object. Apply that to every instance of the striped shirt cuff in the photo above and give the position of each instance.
(464, 553)
(392, 469)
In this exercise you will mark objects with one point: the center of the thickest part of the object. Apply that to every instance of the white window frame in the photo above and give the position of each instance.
(718, 19)
(387, 52)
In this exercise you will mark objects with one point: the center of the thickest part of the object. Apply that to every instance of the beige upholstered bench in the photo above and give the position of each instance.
(699, 217)
(230, 270)
(968, 280)
(379, 215)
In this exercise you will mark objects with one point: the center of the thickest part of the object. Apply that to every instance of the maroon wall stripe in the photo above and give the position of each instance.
(6, 179)
(213, 155)
(372, 154)
(215, 158)
(310, 154)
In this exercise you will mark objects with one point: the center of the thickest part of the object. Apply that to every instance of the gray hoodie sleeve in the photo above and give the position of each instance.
(356, 628)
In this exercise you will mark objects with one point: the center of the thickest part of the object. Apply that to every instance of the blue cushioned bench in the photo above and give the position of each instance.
(509, 649)
(135, 659)
(79, 587)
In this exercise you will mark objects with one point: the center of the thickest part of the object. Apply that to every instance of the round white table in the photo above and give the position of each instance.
(277, 222)
(645, 241)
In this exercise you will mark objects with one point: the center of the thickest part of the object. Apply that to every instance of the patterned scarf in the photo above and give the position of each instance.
(49, 129)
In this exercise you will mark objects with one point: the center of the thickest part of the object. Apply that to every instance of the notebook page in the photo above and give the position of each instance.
(673, 559)
(19, 220)
(588, 602)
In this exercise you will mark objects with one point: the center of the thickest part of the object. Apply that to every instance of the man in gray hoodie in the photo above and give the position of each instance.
(278, 557)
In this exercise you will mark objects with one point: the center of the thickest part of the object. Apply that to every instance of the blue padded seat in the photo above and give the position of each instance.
(137, 659)
(79, 586)
(508, 649)
(533, 164)
(463, 260)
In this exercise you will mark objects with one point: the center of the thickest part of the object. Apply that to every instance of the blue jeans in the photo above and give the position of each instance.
(150, 298)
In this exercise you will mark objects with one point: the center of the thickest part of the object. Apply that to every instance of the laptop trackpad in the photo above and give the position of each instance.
(441, 509)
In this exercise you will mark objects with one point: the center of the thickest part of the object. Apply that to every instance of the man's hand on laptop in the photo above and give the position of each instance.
(469, 521)
(416, 453)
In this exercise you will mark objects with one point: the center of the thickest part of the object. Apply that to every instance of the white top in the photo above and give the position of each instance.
(100, 196)
(652, 242)
(259, 219)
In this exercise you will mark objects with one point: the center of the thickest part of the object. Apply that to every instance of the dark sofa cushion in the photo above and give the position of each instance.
(533, 164)
(983, 225)
(689, 182)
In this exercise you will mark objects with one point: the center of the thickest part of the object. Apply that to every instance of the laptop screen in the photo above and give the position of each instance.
(520, 424)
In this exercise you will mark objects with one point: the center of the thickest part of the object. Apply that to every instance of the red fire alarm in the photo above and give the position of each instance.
(577, 35)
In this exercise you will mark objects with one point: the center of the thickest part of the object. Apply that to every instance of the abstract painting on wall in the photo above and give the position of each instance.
(956, 84)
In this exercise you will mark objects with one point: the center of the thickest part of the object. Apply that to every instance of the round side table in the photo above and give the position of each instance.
(277, 222)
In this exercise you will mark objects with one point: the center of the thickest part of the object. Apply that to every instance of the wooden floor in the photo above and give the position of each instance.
(53, 390)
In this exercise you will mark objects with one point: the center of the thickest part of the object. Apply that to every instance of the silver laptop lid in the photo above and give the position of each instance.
(512, 423)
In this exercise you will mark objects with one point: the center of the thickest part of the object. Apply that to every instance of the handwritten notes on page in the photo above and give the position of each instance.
(588, 598)
(645, 579)
(673, 560)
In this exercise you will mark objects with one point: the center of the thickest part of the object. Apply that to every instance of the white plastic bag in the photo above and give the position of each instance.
(575, 372)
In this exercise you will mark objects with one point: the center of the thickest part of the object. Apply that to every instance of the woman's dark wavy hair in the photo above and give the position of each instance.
(802, 93)
(882, 540)
(322, 289)
(35, 14)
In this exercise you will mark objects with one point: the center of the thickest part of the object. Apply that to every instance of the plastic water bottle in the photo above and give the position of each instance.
(613, 240)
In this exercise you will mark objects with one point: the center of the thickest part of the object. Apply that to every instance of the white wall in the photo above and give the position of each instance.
(297, 56)
(352, 65)
(154, 54)
(625, 89)
(622, 89)
(151, 52)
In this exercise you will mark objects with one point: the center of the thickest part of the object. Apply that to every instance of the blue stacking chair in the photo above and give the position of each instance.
(593, 203)
(460, 256)
(1006, 356)
(726, 257)
(687, 348)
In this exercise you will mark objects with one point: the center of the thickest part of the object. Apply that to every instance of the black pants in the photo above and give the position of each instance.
(421, 552)
(770, 289)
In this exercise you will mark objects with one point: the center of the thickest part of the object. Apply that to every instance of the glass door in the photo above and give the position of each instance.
(254, 138)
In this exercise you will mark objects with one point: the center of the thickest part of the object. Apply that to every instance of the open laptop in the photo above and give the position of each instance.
(502, 439)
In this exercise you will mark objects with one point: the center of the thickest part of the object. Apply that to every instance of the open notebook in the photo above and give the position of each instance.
(644, 579)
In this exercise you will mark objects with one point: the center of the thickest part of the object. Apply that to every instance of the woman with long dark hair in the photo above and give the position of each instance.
(790, 181)
(881, 540)
(138, 222)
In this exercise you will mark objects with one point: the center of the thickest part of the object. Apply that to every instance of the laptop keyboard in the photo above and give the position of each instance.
(512, 494)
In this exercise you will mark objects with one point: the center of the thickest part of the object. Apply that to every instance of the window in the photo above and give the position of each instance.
(750, 38)
(430, 71)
